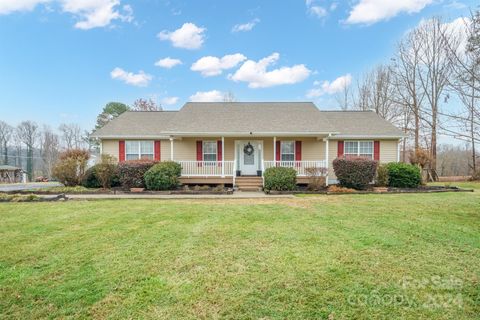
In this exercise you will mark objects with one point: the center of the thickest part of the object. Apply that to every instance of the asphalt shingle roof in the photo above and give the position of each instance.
(243, 118)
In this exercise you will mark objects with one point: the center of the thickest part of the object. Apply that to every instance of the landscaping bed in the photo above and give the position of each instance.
(4, 197)
(375, 190)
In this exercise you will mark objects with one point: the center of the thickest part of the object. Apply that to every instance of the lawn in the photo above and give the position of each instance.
(412, 256)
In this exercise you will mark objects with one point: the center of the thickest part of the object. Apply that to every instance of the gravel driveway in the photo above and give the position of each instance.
(27, 186)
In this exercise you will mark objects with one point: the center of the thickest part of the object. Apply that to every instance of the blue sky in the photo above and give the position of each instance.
(63, 60)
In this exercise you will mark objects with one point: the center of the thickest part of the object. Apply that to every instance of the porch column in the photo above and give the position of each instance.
(223, 157)
(171, 148)
(326, 159)
(274, 151)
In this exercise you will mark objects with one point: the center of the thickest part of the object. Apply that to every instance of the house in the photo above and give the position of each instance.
(234, 142)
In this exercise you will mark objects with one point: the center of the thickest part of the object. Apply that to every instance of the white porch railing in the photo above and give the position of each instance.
(299, 166)
(214, 168)
(206, 168)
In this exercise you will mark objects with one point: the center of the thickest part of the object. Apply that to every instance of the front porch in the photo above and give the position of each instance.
(227, 172)
(221, 160)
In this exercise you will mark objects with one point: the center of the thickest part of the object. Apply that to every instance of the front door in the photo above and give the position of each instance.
(249, 156)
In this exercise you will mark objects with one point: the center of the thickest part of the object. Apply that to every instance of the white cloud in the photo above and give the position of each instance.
(327, 87)
(97, 13)
(257, 76)
(9, 6)
(372, 11)
(189, 36)
(168, 101)
(245, 26)
(207, 96)
(168, 63)
(140, 79)
(212, 66)
(319, 11)
(91, 13)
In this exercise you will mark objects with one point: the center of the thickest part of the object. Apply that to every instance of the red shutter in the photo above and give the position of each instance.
(199, 152)
(340, 149)
(298, 152)
(157, 150)
(376, 150)
(121, 150)
(219, 152)
(277, 151)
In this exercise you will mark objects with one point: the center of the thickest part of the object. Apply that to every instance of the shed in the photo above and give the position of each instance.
(10, 174)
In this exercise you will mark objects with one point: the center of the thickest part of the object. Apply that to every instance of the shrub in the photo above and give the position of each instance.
(70, 167)
(90, 179)
(163, 176)
(475, 175)
(355, 173)
(131, 173)
(280, 179)
(382, 176)
(403, 175)
(316, 177)
(105, 171)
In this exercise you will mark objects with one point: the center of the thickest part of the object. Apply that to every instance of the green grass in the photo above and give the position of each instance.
(303, 258)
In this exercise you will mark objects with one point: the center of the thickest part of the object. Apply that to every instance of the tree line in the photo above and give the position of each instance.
(36, 148)
(429, 87)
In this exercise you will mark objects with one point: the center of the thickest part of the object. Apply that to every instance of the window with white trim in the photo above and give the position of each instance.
(209, 150)
(136, 150)
(287, 150)
(362, 149)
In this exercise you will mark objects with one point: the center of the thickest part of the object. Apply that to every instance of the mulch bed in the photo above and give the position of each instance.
(423, 189)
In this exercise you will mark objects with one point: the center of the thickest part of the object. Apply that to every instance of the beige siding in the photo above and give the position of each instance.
(110, 147)
(388, 151)
(312, 149)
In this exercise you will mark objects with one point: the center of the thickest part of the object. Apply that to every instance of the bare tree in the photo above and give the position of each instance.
(71, 136)
(376, 91)
(6, 132)
(466, 82)
(49, 150)
(435, 69)
(229, 97)
(145, 105)
(27, 133)
(408, 92)
(343, 97)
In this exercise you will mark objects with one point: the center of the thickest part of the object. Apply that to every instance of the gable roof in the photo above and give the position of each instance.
(246, 118)
(141, 124)
(354, 124)
(243, 118)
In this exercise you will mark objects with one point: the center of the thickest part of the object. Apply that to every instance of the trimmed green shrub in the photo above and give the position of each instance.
(163, 176)
(90, 179)
(280, 179)
(131, 173)
(403, 175)
(356, 173)
(382, 176)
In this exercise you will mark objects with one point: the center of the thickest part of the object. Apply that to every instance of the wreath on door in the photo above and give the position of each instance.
(248, 149)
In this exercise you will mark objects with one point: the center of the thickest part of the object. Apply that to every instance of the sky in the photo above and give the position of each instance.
(61, 61)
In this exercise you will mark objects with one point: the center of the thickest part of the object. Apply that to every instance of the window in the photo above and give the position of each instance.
(287, 151)
(136, 150)
(209, 151)
(359, 149)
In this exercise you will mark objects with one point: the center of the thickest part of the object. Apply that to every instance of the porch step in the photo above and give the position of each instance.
(249, 183)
